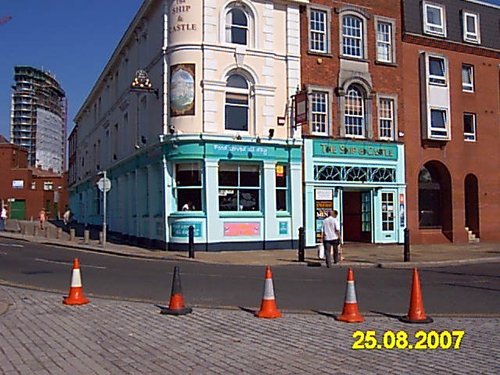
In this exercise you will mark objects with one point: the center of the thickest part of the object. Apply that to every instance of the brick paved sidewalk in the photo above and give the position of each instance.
(40, 335)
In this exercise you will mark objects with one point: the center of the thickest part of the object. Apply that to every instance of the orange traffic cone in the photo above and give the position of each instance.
(176, 305)
(268, 308)
(76, 296)
(350, 313)
(416, 313)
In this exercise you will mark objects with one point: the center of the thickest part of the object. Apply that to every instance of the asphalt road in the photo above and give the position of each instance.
(463, 290)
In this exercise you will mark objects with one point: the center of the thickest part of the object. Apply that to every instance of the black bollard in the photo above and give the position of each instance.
(301, 244)
(407, 245)
(191, 241)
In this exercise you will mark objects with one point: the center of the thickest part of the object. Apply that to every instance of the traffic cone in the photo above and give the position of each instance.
(416, 313)
(350, 312)
(76, 296)
(268, 308)
(176, 305)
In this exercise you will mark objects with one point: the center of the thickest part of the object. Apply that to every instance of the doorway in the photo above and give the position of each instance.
(357, 216)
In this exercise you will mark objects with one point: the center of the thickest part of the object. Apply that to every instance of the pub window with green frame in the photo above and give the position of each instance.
(188, 186)
(281, 174)
(239, 187)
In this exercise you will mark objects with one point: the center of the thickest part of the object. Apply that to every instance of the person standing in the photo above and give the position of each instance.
(3, 218)
(42, 217)
(331, 237)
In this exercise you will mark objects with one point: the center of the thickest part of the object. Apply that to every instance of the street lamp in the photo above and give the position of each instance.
(141, 84)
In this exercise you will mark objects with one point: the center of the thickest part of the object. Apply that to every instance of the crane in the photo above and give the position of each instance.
(4, 20)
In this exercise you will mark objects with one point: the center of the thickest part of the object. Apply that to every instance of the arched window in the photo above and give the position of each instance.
(237, 103)
(429, 199)
(352, 36)
(237, 24)
(354, 113)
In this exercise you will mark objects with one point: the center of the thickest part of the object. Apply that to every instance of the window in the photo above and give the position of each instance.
(434, 19)
(237, 26)
(437, 71)
(239, 187)
(318, 31)
(387, 211)
(471, 27)
(470, 127)
(319, 113)
(236, 107)
(439, 123)
(352, 36)
(385, 42)
(386, 118)
(48, 185)
(467, 78)
(354, 115)
(188, 186)
(281, 187)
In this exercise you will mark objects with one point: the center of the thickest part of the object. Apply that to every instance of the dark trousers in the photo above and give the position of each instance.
(328, 255)
(2, 224)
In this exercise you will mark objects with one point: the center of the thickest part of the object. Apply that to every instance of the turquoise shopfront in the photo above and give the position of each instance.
(364, 181)
(237, 194)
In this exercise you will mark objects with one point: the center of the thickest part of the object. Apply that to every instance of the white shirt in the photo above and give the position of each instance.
(331, 227)
(4, 213)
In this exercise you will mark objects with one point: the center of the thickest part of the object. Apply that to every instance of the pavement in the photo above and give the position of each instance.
(39, 335)
(355, 254)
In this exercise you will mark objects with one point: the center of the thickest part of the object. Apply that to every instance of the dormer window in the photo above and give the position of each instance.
(471, 27)
(434, 19)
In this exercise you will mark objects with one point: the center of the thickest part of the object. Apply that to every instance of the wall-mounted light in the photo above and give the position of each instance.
(237, 137)
(271, 133)
(171, 129)
(142, 84)
(257, 140)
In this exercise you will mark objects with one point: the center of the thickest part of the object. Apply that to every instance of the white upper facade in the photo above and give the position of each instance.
(219, 67)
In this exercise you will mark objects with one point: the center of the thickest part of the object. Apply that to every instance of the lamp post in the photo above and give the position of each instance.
(141, 84)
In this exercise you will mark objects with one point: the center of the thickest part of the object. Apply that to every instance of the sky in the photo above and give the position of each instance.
(71, 39)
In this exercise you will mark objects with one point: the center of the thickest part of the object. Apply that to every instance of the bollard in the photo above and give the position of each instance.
(191, 241)
(301, 245)
(101, 238)
(59, 233)
(86, 236)
(72, 234)
(406, 245)
(35, 230)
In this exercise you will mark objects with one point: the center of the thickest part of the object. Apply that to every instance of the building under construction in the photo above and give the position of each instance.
(38, 118)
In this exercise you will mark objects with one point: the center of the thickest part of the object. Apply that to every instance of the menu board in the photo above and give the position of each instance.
(323, 202)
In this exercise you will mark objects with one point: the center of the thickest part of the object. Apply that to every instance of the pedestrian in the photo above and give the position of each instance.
(67, 216)
(3, 218)
(42, 217)
(331, 237)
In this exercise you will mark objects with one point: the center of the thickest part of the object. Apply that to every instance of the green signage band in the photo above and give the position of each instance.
(366, 150)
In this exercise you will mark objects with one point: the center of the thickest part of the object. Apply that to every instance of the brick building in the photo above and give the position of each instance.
(353, 152)
(451, 51)
(26, 190)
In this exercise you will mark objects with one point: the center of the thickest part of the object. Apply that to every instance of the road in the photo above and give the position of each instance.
(469, 290)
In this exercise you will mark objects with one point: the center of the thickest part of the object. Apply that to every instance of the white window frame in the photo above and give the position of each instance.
(319, 118)
(236, 189)
(352, 115)
(434, 79)
(435, 28)
(382, 42)
(468, 86)
(475, 36)
(470, 136)
(359, 39)
(384, 119)
(242, 93)
(439, 132)
(225, 28)
(322, 34)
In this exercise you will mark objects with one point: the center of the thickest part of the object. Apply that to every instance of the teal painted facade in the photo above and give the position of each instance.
(144, 200)
(363, 181)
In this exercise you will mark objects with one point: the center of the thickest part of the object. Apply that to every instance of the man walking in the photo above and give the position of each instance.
(331, 237)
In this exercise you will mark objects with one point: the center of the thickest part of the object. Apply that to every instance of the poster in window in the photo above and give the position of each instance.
(182, 78)
(323, 203)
